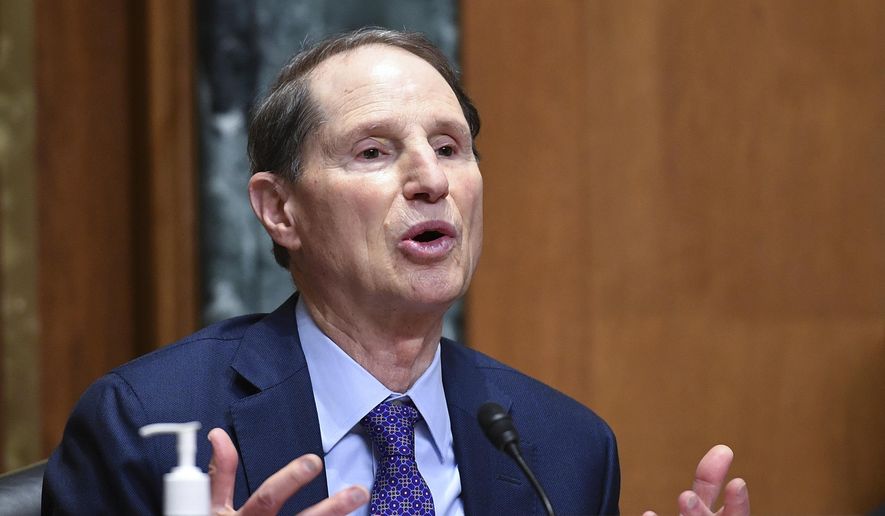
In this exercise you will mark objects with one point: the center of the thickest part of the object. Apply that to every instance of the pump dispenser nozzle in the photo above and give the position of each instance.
(186, 487)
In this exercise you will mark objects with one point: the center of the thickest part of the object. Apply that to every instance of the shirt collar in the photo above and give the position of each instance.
(345, 392)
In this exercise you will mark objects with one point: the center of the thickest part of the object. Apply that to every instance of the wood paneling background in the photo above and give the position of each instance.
(685, 231)
(85, 151)
(117, 237)
(684, 225)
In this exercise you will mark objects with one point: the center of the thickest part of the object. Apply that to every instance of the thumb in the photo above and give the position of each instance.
(222, 471)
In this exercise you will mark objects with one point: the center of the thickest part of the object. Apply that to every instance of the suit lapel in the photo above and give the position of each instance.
(490, 481)
(279, 423)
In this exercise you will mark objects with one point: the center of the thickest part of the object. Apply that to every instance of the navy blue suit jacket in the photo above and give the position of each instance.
(248, 376)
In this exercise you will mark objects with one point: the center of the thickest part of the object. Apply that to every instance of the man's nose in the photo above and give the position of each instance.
(426, 178)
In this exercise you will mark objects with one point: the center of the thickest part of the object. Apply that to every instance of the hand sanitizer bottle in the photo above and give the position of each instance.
(186, 487)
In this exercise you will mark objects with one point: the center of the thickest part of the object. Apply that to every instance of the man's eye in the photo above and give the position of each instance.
(370, 153)
(445, 150)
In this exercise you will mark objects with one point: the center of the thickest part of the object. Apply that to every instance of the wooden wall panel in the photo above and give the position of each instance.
(172, 288)
(115, 147)
(85, 193)
(684, 230)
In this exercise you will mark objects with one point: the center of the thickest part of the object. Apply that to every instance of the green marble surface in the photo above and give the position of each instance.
(19, 347)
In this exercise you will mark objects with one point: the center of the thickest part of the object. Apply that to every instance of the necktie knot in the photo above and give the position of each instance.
(391, 427)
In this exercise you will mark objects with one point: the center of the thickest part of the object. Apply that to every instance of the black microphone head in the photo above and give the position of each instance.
(497, 425)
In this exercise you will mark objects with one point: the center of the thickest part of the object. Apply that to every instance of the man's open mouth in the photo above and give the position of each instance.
(428, 241)
(428, 236)
(429, 231)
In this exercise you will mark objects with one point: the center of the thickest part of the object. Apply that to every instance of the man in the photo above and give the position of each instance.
(365, 176)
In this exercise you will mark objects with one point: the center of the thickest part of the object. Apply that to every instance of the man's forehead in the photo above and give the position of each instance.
(375, 83)
(373, 65)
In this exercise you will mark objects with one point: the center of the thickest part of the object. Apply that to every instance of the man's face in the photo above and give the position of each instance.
(389, 208)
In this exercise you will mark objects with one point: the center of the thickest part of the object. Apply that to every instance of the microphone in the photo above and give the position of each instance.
(498, 427)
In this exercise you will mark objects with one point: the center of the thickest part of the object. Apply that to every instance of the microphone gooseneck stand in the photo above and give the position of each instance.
(499, 428)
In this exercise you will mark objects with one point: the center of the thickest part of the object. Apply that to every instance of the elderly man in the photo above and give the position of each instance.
(365, 176)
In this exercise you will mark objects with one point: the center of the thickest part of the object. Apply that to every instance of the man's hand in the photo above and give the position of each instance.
(273, 493)
(708, 481)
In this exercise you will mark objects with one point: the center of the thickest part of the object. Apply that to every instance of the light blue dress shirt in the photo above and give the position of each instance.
(345, 392)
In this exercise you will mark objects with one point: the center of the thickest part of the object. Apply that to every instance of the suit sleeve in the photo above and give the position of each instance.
(611, 491)
(102, 465)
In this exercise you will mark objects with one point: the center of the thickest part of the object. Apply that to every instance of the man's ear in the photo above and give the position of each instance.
(272, 199)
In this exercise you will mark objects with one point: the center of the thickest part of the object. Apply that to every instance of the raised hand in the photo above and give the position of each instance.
(273, 493)
(709, 478)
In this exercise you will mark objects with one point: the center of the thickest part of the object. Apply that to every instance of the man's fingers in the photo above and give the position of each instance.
(222, 470)
(273, 493)
(737, 498)
(690, 504)
(708, 481)
(711, 472)
(344, 502)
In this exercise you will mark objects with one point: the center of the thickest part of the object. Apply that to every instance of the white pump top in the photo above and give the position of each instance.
(186, 487)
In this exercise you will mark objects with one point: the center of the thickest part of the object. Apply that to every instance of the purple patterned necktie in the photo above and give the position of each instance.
(399, 487)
